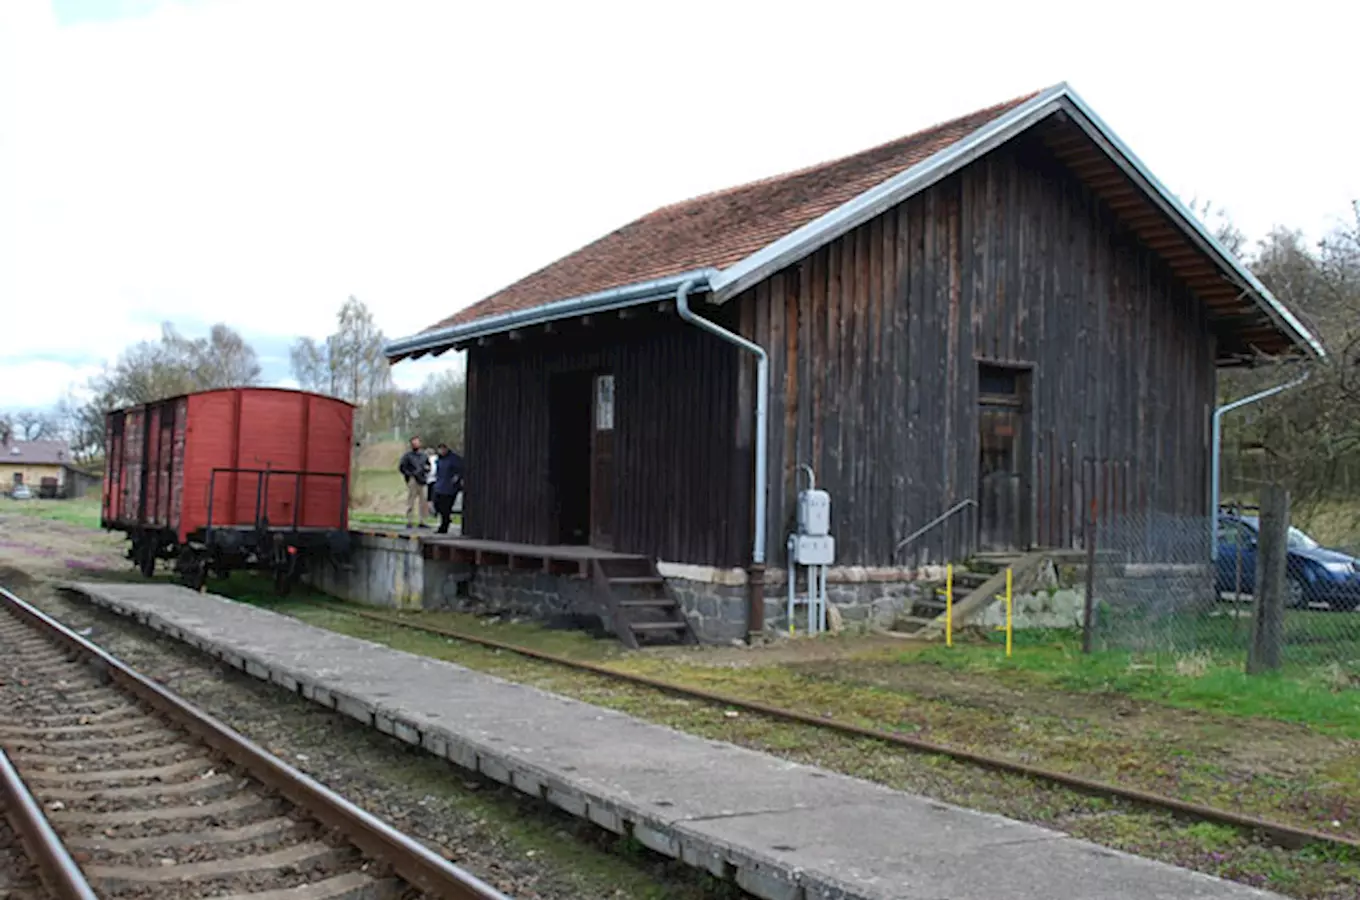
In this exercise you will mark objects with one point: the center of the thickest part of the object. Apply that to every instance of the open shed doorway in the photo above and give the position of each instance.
(570, 415)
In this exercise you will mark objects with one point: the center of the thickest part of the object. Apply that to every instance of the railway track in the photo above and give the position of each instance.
(132, 792)
(1282, 834)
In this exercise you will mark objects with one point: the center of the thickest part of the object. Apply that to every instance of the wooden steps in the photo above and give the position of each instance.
(983, 595)
(975, 587)
(633, 601)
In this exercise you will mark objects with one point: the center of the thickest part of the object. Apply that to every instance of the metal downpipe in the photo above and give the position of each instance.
(755, 612)
(1216, 450)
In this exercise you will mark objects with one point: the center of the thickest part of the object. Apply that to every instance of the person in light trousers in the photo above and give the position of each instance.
(413, 466)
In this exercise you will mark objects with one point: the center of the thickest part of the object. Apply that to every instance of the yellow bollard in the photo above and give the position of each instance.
(1008, 613)
(949, 605)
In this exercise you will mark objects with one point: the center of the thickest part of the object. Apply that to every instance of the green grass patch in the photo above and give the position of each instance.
(83, 512)
(1319, 697)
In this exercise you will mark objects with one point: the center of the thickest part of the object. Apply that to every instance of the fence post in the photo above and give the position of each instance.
(1088, 624)
(1272, 559)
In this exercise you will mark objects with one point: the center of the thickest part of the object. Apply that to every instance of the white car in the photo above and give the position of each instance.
(21, 492)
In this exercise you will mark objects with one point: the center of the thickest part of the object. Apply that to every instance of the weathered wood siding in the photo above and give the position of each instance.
(682, 478)
(875, 342)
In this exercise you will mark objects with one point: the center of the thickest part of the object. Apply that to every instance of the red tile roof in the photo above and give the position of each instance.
(721, 228)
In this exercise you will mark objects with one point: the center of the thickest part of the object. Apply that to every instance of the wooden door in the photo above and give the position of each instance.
(1002, 493)
(602, 465)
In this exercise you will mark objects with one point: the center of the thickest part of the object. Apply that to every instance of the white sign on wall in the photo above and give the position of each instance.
(604, 403)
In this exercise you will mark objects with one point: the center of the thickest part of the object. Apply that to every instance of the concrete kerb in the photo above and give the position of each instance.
(764, 877)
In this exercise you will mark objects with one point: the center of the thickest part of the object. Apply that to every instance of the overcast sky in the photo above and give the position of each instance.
(257, 161)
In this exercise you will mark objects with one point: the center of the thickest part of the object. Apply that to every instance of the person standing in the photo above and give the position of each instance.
(429, 482)
(413, 466)
(448, 482)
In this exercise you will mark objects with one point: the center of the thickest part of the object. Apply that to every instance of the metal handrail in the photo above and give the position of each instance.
(932, 523)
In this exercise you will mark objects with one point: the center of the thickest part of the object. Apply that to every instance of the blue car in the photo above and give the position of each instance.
(1315, 574)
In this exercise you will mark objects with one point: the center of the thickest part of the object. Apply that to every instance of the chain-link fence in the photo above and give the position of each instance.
(1157, 590)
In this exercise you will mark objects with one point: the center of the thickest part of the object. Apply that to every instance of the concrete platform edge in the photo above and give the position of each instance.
(757, 874)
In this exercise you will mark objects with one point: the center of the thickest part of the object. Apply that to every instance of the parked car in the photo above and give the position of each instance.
(21, 492)
(1315, 574)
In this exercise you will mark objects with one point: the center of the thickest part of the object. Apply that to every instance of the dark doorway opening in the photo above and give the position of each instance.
(1003, 458)
(571, 399)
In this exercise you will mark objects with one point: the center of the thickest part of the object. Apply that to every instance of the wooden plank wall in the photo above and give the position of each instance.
(875, 341)
(682, 480)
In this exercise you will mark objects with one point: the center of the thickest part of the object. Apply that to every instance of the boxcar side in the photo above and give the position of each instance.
(261, 455)
(144, 466)
(255, 477)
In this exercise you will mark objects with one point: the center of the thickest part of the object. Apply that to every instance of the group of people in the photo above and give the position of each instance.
(433, 483)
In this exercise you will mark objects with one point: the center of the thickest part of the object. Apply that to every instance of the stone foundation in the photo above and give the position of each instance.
(716, 608)
(389, 570)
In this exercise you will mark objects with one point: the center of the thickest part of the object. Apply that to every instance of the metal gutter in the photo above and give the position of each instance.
(601, 301)
(762, 392)
(1216, 449)
(755, 580)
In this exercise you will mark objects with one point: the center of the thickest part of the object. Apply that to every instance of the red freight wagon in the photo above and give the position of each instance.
(239, 477)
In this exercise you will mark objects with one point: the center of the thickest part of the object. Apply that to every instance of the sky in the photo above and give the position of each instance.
(256, 162)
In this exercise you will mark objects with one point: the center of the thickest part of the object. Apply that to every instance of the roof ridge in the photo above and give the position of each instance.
(812, 167)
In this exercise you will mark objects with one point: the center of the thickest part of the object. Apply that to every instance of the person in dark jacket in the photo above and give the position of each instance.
(413, 466)
(448, 481)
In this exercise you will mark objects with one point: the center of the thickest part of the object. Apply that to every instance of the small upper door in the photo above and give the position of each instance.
(602, 464)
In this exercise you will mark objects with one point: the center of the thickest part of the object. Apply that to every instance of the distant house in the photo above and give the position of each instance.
(1005, 316)
(46, 467)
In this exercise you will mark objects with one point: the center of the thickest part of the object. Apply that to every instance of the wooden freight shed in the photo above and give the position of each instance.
(1006, 308)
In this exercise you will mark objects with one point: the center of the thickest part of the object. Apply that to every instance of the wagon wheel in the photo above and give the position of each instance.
(286, 566)
(193, 569)
(146, 558)
(198, 574)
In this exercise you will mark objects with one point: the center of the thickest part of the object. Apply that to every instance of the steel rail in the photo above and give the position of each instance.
(57, 870)
(1289, 836)
(411, 861)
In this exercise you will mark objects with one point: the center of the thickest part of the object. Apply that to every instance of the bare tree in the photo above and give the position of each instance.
(1309, 437)
(154, 370)
(437, 409)
(350, 364)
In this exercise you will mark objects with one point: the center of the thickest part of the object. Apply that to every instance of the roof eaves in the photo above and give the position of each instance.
(826, 228)
(441, 339)
(1102, 134)
(799, 243)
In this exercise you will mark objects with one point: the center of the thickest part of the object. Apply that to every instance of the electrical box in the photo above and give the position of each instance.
(814, 550)
(814, 514)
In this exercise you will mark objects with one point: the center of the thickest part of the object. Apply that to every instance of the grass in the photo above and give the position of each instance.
(83, 512)
(1306, 695)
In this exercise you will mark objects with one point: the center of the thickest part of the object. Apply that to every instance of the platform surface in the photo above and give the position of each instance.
(783, 831)
(566, 552)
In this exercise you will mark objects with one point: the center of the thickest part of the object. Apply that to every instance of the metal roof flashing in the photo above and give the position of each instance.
(815, 234)
(440, 339)
(737, 277)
